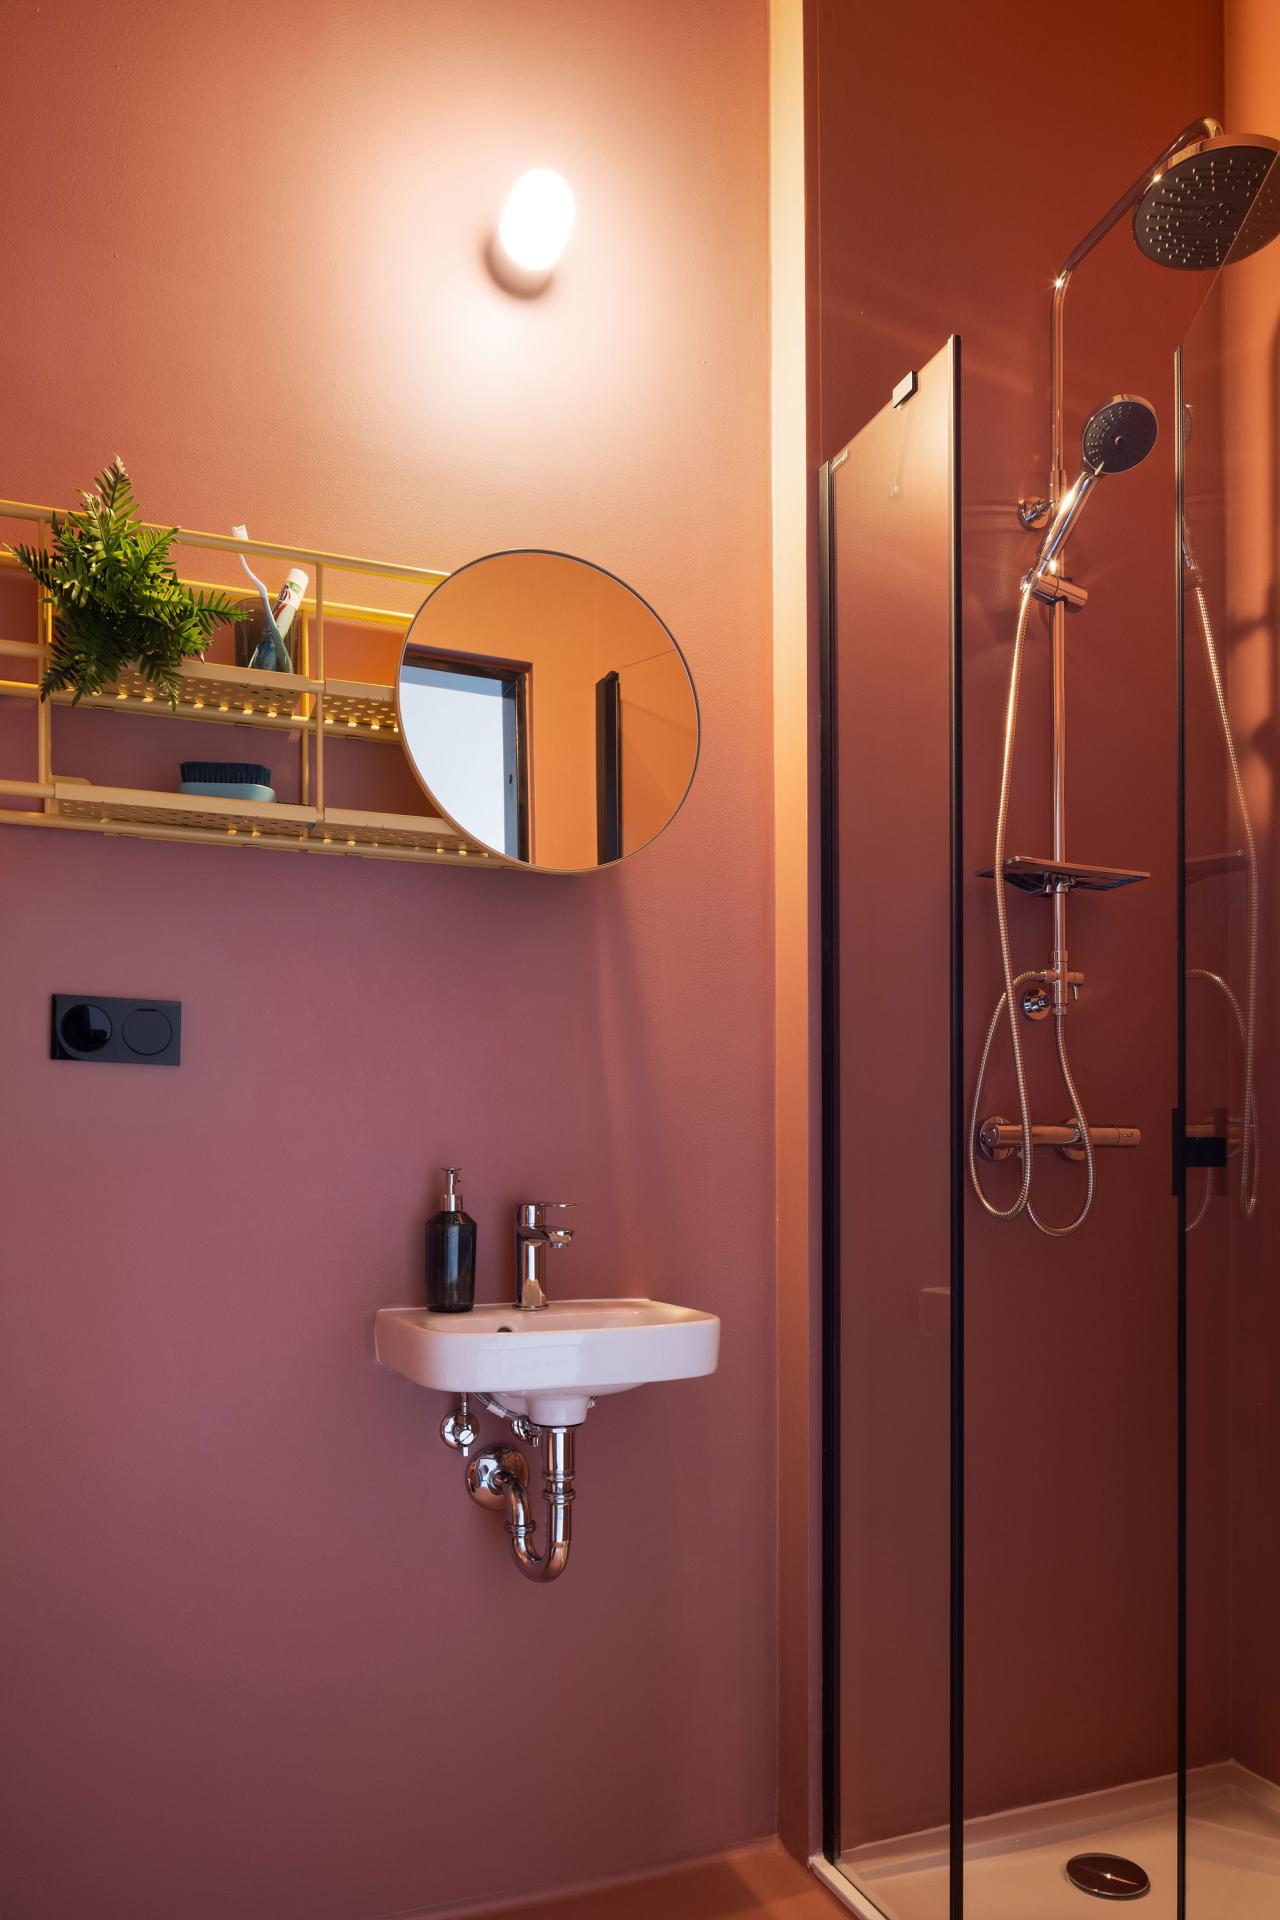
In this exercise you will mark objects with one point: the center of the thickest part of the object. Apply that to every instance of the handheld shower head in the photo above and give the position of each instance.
(1116, 438)
(1214, 200)
(1119, 435)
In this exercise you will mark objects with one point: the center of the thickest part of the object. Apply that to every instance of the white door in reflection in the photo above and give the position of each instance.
(466, 727)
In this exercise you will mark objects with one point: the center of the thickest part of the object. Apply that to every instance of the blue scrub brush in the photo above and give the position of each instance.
(227, 779)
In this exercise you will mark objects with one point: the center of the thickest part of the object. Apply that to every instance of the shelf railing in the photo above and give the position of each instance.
(228, 543)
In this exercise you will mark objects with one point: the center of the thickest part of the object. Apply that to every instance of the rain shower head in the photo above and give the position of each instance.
(1209, 198)
(1117, 437)
(1213, 201)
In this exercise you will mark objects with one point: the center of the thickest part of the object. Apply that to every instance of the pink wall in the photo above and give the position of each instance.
(263, 1657)
(942, 207)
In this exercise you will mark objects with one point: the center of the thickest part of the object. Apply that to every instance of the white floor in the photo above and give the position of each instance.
(1015, 1862)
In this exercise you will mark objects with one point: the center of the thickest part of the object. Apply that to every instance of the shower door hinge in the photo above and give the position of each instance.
(905, 388)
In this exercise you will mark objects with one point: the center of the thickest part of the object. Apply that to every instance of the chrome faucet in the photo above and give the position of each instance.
(533, 1237)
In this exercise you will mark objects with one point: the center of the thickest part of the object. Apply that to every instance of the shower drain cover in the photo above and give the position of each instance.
(1108, 1876)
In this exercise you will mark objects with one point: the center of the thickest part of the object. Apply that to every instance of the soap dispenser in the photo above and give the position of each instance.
(451, 1252)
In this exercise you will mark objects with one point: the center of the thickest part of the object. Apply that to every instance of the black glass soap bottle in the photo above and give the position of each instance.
(451, 1252)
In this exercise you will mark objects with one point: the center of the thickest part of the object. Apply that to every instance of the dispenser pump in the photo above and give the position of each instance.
(451, 1251)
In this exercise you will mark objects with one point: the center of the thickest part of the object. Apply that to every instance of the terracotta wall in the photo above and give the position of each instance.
(261, 1655)
(1251, 313)
(955, 174)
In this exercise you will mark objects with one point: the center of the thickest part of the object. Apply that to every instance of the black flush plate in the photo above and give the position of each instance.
(139, 1033)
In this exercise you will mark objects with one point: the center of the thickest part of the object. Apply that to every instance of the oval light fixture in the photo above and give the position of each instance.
(533, 231)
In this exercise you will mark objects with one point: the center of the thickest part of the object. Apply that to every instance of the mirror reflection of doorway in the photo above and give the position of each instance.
(607, 739)
(609, 768)
(474, 722)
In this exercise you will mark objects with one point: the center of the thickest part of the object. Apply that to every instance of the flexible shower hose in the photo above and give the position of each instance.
(1007, 1004)
(1248, 1024)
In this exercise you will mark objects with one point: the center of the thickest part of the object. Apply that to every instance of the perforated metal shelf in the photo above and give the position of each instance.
(208, 692)
(342, 827)
(368, 712)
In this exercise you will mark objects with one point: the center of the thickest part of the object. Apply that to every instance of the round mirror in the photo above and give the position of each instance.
(547, 711)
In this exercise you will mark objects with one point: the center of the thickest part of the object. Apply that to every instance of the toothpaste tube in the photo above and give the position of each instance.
(289, 599)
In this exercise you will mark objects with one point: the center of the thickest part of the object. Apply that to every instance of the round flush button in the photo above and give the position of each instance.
(147, 1031)
(86, 1028)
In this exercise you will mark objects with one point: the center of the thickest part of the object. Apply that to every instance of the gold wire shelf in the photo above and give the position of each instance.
(136, 812)
(243, 692)
(111, 806)
(242, 695)
(313, 708)
(354, 829)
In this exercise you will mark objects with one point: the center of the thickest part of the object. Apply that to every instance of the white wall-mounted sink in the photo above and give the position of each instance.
(551, 1364)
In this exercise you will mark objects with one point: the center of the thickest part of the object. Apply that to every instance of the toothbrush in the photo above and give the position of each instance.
(271, 649)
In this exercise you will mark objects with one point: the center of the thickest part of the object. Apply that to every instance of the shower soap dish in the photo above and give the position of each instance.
(227, 780)
(1034, 875)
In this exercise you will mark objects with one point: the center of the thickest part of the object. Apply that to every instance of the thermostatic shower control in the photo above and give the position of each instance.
(140, 1033)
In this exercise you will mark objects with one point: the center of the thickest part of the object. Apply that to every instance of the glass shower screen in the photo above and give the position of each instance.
(892, 1086)
(1229, 493)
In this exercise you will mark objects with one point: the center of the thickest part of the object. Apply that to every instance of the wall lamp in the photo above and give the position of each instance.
(533, 232)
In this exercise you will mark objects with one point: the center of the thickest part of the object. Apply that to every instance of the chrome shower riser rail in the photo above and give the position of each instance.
(1057, 488)
(1047, 582)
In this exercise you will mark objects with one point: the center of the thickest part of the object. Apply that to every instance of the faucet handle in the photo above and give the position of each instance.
(557, 1237)
(533, 1213)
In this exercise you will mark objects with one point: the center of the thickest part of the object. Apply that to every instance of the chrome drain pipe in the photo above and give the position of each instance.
(557, 1500)
(498, 1478)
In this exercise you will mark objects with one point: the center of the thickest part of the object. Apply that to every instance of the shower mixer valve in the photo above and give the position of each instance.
(1000, 1138)
(1038, 999)
(1063, 980)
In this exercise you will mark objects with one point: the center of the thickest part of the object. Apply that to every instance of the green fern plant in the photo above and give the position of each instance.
(117, 601)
